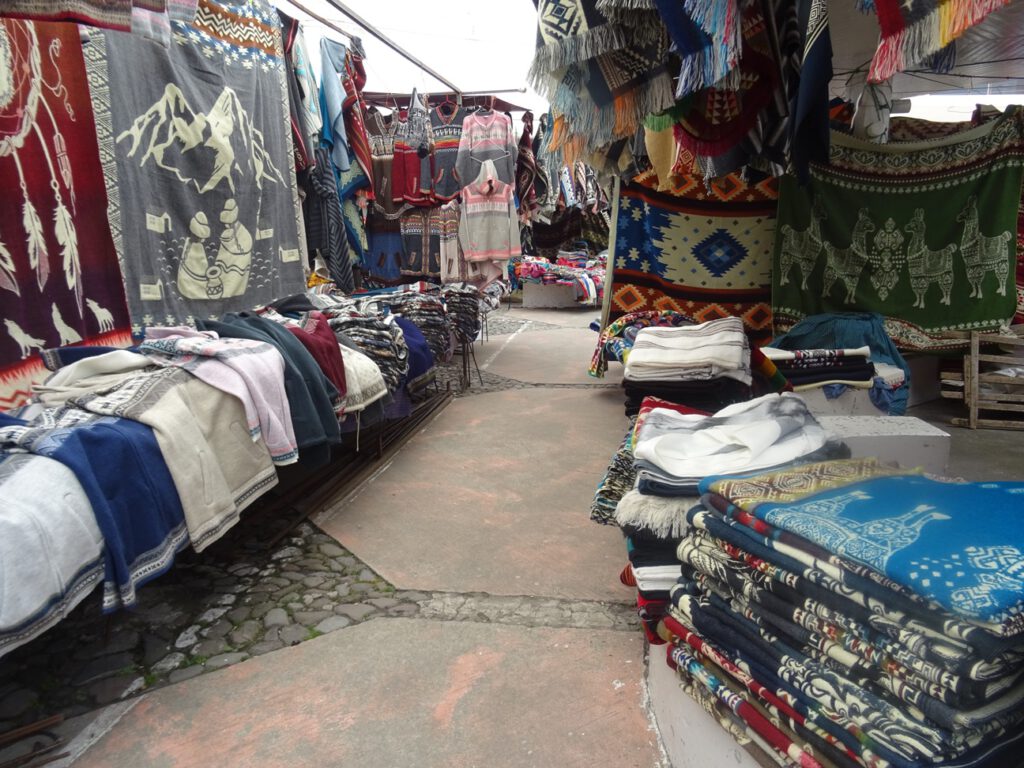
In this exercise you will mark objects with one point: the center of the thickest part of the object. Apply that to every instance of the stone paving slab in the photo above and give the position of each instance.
(559, 356)
(403, 692)
(477, 502)
(574, 317)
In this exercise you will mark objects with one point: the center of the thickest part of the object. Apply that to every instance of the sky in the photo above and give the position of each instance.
(479, 45)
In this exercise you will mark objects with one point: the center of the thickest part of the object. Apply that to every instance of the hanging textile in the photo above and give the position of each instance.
(152, 19)
(526, 172)
(446, 121)
(707, 38)
(702, 251)
(199, 234)
(332, 100)
(353, 81)
(413, 167)
(325, 226)
(421, 247)
(601, 78)
(913, 30)
(922, 233)
(486, 135)
(302, 132)
(58, 267)
(809, 99)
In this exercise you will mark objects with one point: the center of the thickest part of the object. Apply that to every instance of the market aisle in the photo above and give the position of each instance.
(524, 651)
(403, 692)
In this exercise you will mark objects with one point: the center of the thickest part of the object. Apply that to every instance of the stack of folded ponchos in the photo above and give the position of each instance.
(427, 311)
(849, 613)
(704, 366)
(462, 301)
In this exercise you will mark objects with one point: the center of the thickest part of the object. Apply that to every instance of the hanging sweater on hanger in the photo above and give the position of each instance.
(414, 162)
(332, 100)
(486, 135)
(446, 126)
(489, 229)
(381, 133)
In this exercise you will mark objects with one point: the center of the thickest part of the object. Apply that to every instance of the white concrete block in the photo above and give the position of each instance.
(906, 440)
(537, 296)
(853, 402)
(690, 736)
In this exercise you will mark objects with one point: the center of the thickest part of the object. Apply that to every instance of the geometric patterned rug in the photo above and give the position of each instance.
(700, 249)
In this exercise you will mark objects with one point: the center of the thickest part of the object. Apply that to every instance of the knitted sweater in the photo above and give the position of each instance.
(489, 229)
(382, 134)
(486, 135)
(447, 130)
(413, 169)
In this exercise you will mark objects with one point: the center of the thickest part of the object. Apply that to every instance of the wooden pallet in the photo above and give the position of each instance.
(979, 370)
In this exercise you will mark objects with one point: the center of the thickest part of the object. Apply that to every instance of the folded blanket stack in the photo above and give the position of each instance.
(810, 367)
(703, 366)
(850, 613)
(654, 477)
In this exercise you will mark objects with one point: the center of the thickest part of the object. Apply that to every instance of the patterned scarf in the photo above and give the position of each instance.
(912, 30)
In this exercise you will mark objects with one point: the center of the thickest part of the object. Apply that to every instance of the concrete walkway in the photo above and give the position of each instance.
(525, 650)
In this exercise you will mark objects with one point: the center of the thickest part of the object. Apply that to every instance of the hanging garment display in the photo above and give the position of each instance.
(302, 130)
(489, 230)
(922, 233)
(421, 246)
(332, 99)
(199, 233)
(56, 252)
(526, 172)
(413, 166)
(381, 132)
(486, 135)
(446, 121)
(701, 251)
(325, 226)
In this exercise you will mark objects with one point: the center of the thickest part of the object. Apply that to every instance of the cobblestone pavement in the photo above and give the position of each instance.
(241, 598)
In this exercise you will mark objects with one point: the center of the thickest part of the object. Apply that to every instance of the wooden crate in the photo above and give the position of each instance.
(979, 369)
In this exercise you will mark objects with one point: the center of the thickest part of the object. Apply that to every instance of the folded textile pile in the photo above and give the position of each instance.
(665, 456)
(852, 613)
(383, 344)
(427, 310)
(462, 301)
(703, 366)
(806, 368)
(617, 339)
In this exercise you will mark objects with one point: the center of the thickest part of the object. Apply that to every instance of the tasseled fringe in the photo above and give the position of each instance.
(611, 6)
(560, 54)
(944, 61)
(664, 517)
(910, 46)
(707, 69)
(866, 6)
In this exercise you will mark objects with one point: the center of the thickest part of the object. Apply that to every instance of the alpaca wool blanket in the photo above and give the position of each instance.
(703, 250)
(198, 160)
(921, 233)
(58, 266)
(911, 527)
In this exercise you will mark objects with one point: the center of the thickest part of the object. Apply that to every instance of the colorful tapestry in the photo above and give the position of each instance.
(921, 233)
(59, 281)
(701, 250)
(198, 162)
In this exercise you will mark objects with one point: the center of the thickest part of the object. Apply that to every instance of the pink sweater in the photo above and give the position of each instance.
(489, 228)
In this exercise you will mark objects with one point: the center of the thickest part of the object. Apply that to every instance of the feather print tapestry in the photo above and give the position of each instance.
(922, 233)
(702, 251)
(59, 280)
(198, 163)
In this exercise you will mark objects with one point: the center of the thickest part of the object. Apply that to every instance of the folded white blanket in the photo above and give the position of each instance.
(765, 432)
(715, 346)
